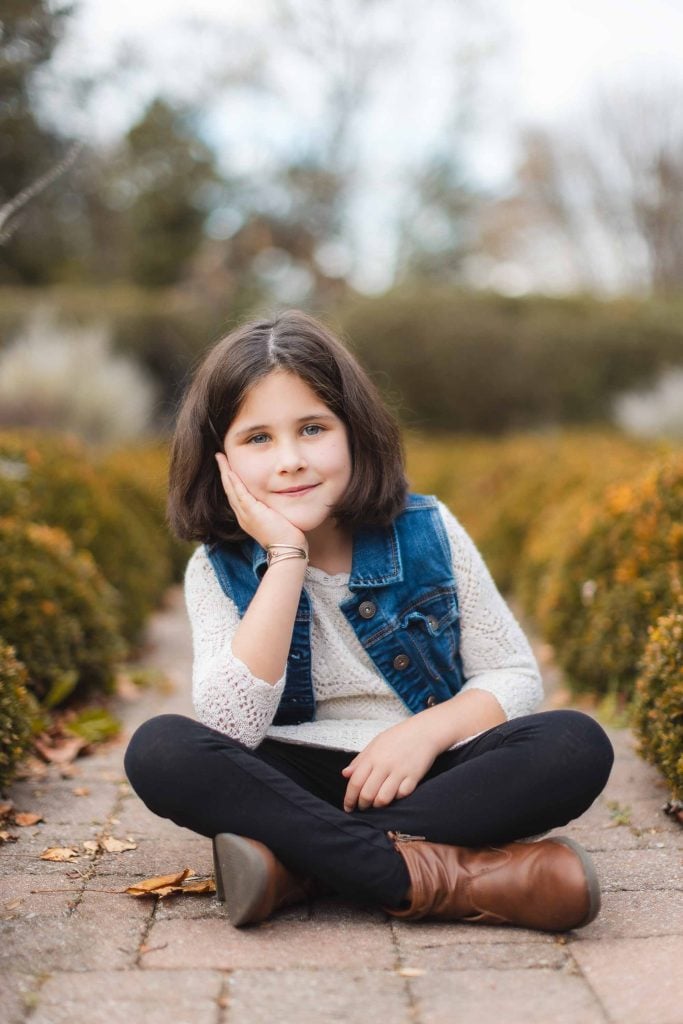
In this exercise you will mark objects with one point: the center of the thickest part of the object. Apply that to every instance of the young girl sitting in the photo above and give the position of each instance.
(364, 694)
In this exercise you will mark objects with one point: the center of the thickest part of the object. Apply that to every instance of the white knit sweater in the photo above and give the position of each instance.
(353, 702)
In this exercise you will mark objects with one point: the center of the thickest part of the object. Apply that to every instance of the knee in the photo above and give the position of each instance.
(578, 738)
(153, 748)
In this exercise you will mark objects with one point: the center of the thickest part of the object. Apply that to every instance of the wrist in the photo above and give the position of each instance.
(286, 553)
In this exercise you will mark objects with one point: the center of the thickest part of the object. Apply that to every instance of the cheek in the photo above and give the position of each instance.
(248, 469)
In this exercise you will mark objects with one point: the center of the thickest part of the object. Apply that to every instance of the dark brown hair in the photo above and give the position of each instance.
(197, 506)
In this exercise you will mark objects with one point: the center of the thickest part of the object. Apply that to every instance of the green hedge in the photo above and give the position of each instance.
(450, 360)
(658, 716)
(57, 611)
(55, 480)
(16, 713)
(622, 569)
(479, 362)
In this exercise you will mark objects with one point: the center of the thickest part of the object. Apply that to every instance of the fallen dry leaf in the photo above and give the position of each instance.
(6, 807)
(126, 688)
(112, 845)
(32, 768)
(91, 845)
(207, 885)
(59, 853)
(8, 837)
(151, 885)
(411, 972)
(167, 885)
(67, 771)
(14, 904)
(26, 818)
(81, 791)
(59, 751)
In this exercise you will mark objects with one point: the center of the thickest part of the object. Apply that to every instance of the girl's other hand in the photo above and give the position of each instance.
(390, 767)
(261, 522)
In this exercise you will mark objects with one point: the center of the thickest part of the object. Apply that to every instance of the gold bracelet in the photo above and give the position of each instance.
(282, 552)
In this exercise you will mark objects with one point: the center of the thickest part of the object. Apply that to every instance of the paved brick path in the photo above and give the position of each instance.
(83, 953)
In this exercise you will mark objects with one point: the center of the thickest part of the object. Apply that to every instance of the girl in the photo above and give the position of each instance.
(364, 695)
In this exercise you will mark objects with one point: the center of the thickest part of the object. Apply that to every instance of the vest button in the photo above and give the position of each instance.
(401, 661)
(433, 621)
(431, 700)
(367, 609)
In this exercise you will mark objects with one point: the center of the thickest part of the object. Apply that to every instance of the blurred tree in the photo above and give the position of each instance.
(436, 226)
(163, 180)
(29, 33)
(602, 199)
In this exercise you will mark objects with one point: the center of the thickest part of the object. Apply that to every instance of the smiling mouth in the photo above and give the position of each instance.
(298, 490)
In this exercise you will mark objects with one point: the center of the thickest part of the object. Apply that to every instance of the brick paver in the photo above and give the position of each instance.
(76, 949)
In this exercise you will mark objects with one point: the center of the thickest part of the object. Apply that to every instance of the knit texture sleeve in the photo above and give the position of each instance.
(225, 694)
(496, 655)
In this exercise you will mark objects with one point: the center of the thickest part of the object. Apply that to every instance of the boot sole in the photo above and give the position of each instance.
(590, 873)
(241, 876)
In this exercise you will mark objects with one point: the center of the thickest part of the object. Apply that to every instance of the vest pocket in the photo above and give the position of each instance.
(432, 626)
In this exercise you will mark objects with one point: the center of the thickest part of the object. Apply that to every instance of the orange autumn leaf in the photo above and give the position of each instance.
(112, 845)
(27, 818)
(61, 751)
(168, 885)
(59, 853)
(150, 886)
(206, 885)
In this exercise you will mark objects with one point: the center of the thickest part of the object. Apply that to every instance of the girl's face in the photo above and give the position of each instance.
(290, 451)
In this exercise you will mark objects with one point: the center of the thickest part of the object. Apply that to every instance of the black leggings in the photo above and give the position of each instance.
(516, 780)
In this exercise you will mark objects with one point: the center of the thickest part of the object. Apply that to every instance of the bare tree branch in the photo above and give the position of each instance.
(10, 209)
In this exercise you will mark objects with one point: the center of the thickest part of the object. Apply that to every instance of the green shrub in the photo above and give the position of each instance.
(16, 713)
(658, 713)
(53, 480)
(622, 570)
(57, 611)
(140, 475)
(475, 361)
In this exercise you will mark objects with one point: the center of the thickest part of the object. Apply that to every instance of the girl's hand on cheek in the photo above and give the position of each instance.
(389, 768)
(257, 519)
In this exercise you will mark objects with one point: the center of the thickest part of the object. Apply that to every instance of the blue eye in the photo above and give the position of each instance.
(315, 427)
(257, 439)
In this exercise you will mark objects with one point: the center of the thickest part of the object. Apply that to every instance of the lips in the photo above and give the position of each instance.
(298, 490)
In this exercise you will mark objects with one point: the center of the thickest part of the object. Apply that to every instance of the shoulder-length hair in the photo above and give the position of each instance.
(197, 505)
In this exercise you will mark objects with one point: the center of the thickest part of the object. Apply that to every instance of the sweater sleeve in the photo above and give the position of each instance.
(495, 653)
(225, 694)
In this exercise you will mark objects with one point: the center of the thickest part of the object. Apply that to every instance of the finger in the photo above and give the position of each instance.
(386, 793)
(356, 783)
(349, 768)
(405, 788)
(369, 791)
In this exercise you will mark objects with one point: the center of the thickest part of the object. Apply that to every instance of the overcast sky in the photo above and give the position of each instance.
(547, 59)
(556, 49)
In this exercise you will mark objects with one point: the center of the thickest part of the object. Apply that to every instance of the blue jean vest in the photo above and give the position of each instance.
(403, 609)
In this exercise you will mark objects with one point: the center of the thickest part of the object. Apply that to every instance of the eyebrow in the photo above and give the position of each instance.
(302, 419)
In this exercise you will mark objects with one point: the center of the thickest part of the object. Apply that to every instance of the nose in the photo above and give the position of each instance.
(290, 457)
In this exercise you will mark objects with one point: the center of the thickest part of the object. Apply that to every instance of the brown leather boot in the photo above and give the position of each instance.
(551, 884)
(252, 881)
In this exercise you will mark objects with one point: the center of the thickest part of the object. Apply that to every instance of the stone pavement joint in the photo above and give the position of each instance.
(78, 949)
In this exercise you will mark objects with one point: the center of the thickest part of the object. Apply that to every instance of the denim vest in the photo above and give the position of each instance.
(403, 609)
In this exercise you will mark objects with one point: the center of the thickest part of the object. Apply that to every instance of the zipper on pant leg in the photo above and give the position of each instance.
(405, 837)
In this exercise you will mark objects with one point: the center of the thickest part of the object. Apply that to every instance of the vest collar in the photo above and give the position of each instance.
(376, 558)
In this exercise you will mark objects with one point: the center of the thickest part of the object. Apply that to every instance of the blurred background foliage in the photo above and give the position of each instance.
(529, 337)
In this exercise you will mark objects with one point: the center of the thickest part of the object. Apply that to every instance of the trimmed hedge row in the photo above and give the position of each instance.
(658, 713)
(453, 360)
(16, 713)
(586, 531)
(84, 558)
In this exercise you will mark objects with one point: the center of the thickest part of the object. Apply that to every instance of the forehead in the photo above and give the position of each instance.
(279, 395)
